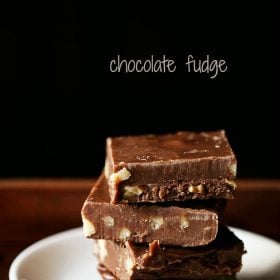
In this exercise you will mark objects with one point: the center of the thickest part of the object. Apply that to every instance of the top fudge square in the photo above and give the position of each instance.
(171, 167)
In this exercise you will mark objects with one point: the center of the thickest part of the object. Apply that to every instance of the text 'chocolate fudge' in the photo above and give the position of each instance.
(171, 167)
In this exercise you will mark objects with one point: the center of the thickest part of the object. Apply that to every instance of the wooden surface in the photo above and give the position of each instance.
(33, 209)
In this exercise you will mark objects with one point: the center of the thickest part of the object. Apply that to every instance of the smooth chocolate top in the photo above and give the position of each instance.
(169, 147)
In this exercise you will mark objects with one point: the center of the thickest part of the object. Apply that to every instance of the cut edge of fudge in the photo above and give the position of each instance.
(176, 191)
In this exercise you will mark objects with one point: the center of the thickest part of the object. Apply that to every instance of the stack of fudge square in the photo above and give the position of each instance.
(156, 212)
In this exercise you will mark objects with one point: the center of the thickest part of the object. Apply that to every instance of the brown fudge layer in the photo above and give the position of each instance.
(171, 167)
(106, 274)
(179, 191)
(222, 257)
(176, 225)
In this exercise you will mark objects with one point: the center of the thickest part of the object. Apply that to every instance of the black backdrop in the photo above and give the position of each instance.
(59, 100)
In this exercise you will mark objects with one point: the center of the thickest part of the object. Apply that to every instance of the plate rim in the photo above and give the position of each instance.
(53, 238)
(36, 246)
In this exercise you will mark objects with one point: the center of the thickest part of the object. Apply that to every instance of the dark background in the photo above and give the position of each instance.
(59, 101)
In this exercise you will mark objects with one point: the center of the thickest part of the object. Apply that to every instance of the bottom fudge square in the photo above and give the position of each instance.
(219, 260)
(106, 274)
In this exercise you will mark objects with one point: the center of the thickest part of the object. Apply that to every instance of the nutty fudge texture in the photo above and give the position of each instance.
(191, 225)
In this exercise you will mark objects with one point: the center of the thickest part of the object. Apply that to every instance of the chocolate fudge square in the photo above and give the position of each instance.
(172, 167)
(188, 224)
(221, 258)
(106, 274)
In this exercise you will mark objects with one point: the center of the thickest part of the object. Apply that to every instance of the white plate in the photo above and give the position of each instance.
(68, 256)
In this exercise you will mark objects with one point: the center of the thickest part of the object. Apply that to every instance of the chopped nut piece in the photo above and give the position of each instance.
(231, 183)
(88, 227)
(196, 189)
(125, 234)
(130, 191)
(200, 188)
(109, 221)
(121, 175)
(233, 168)
(184, 222)
(191, 189)
(156, 222)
